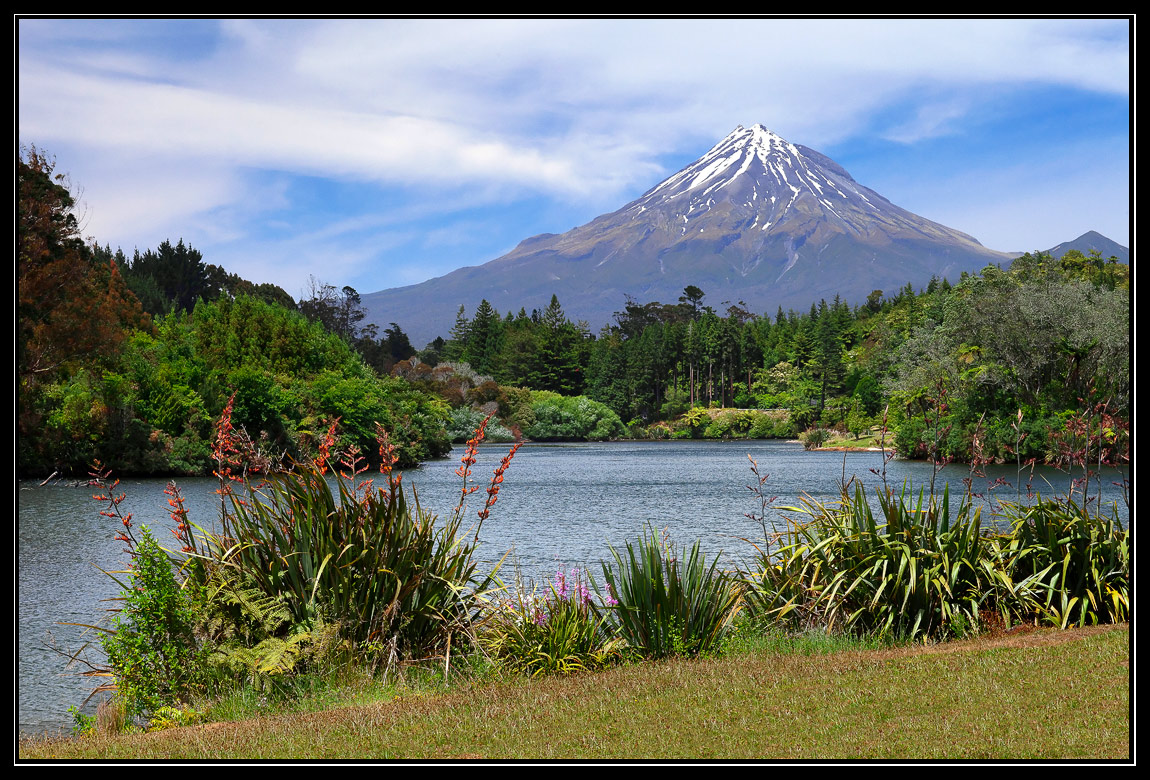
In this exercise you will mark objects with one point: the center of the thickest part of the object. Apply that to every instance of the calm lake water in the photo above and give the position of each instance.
(561, 505)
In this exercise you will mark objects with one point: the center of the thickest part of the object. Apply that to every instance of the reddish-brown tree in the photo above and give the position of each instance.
(72, 309)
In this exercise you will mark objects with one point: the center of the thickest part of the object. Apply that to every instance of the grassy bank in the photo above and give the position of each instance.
(1041, 695)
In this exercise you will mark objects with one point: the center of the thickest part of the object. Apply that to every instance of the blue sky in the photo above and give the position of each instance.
(378, 153)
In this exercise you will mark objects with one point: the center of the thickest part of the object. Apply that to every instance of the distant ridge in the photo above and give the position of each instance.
(1090, 241)
(756, 219)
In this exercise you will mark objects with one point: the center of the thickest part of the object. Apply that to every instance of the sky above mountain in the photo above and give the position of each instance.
(378, 153)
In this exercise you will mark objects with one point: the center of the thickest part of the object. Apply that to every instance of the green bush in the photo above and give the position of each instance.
(762, 428)
(152, 649)
(720, 428)
(567, 418)
(299, 571)
(465, 420)
(813, 438)
(366, 560)
(667, 603)
(695, 418)
(929, 570)
(924, 569)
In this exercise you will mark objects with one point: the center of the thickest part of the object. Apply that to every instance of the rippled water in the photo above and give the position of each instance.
(561, 504)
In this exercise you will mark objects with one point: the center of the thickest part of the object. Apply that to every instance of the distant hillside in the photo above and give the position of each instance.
(1089, 241)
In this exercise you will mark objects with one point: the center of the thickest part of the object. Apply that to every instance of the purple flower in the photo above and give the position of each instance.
(561, 584)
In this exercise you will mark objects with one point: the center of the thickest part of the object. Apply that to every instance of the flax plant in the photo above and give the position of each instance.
(668, 604)
(1070, 567)
(380, 566)
(394, 580)
(926, 570)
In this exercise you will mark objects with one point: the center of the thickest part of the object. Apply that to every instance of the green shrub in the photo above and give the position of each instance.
(813, 438)
(929, 570)
(763, 427)
(578, 418)
(464, 421)
(667, 604)
(923, 570)
(382, 569)
(152, 649)
(299, 568)
(695, 417)
(720, 428)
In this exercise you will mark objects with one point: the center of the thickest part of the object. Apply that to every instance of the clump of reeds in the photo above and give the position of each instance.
(1069, 565)
(390, 577)
(919, 570)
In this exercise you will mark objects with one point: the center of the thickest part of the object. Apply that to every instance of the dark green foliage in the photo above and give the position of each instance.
(991, 345)
(563, 418)
(287, 376)
(298, 567)
(74, 310)
(1071, 566)
(925, 568)
(913, 574)
(1033, 340)
(172, 278)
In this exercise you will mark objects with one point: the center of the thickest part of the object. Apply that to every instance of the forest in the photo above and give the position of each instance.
(129, 360)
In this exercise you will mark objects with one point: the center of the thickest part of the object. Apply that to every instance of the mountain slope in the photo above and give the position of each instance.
(1090, 241)
(755, 219)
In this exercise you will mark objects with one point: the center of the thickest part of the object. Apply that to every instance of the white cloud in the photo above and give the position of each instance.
(580, 111)
(403, 100)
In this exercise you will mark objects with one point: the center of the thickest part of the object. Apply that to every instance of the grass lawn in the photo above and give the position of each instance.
(1045, 694)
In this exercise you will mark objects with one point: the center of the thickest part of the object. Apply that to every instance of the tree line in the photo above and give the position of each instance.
(129, 359)
(950, 367)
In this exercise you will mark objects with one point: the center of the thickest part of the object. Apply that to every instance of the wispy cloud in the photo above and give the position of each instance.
(186, 122)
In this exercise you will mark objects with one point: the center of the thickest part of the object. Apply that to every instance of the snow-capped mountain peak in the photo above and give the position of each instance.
(755, 218)
(762, 171)
(754, 179)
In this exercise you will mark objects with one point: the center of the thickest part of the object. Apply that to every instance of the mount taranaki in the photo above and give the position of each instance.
(756, 219)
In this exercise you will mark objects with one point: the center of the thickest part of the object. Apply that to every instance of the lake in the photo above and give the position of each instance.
(560, 505)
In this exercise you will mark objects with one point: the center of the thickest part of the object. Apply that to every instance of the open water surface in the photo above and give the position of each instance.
(560, 505)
